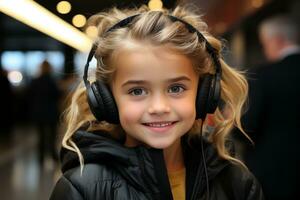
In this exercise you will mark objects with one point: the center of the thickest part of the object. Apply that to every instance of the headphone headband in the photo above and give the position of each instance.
(124, 22)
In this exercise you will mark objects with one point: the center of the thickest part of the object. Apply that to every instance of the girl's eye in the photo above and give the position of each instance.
(137, 92)
(176, 89)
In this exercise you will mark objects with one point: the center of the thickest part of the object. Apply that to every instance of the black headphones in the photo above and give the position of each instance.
(102, 103)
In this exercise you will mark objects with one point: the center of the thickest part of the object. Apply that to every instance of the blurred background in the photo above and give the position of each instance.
(43, 49)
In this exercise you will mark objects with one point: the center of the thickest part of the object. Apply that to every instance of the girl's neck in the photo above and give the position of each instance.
(174, 157)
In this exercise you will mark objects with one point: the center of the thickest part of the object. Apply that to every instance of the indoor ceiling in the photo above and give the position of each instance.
(16, 36)
(220, 15)
(90, 7)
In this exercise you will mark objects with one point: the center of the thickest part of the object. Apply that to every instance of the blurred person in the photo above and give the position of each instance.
(43, 97)
(6, 101)
(273, 117)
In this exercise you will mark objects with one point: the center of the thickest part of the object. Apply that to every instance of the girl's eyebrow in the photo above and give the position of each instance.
(137, 82)
(134, 82)
(180, 78)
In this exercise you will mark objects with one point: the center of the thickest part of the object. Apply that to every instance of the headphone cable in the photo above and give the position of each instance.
(204, 160)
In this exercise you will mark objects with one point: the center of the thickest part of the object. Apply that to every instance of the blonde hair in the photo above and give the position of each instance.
(155, 28)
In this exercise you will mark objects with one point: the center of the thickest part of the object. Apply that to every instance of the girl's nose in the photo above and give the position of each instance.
(159, 105)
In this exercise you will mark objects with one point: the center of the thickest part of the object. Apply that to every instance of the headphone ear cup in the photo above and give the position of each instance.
(202, 99)
(107, 105)
(214, 95)
(93, 101)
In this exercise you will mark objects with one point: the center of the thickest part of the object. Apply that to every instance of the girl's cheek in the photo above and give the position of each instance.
(130, 112)
(186, 108)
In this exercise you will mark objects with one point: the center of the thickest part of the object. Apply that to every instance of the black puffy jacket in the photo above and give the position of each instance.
(112, 171)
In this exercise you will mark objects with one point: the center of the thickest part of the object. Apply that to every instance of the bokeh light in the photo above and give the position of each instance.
(63, 7)
(79, 20)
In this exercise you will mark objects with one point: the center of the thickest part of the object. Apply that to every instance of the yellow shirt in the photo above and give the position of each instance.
(177, 182)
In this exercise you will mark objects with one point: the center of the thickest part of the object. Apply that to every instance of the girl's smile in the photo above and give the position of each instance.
(160, 127)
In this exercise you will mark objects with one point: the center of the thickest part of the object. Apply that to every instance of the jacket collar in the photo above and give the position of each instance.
(134, 164)
(195, 174)
(140, 163)
(193, 155)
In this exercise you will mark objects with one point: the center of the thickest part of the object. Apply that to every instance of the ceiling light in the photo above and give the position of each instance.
(15, 77)
(155, 5)
(63, 7)
(79, 20)
(36, 16)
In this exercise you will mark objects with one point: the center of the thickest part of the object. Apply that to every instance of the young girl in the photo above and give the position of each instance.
(136, 132)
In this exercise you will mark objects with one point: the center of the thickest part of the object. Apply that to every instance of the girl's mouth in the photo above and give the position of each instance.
(159, 126)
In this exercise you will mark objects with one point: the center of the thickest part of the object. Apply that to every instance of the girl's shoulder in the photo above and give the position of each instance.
(225, 177)
(74, 184)
(91, 173)
(240, 182)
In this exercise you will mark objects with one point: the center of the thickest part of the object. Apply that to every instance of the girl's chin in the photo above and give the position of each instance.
(159, 145)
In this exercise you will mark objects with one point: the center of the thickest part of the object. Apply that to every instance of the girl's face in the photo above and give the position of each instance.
(155, 91)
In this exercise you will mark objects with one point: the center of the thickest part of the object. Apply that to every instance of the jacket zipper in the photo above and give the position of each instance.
(141, 163)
